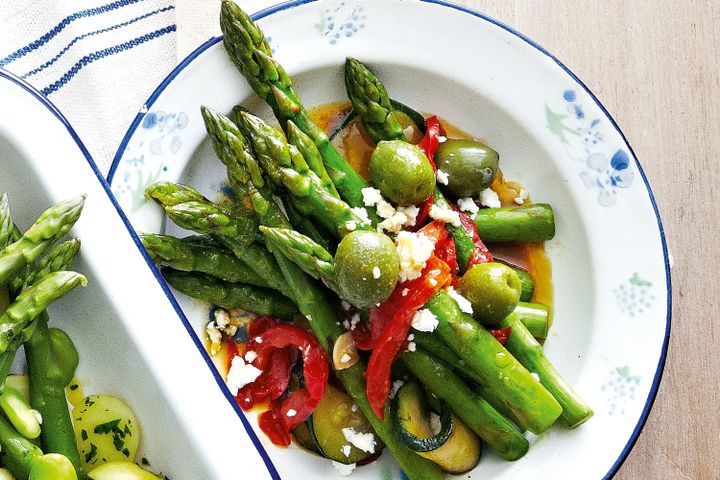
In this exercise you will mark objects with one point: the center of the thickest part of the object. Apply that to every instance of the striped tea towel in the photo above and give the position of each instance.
(96, 60)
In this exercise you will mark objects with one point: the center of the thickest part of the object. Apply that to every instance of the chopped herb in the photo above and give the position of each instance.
(144, 461)
(107, 427)
(74, 387)
(126, 452)
(83, 434)
(91, 454)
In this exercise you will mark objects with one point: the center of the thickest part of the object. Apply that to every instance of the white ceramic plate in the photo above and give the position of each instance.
(611, 274)
(131, 341)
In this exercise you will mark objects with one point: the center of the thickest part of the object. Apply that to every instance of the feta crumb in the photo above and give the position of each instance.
(350, 226)
(345, 305)
(362, 214)
(467, 204)
(346, 449)
(435, 424)
(354, 321)
(442, 138)
(371, 196)
(384, 209)
(424, 321)
(411, 212)
(291, 412)
(411, 337)
(259, 339)
(343, 469)
(446, 215)
(489, 198)
(250, 356)
(393, 223)
(362, 441)
(462, 302)
(345, 358)
(520, 199)
(395, 387)
(222, 318)
(214, 336)
(240, 374)
(405, 292)
(411, 347)
(376, 272)
(535, 376)
(441, 177)
(433, 282)
(414, 250)
(354, 407)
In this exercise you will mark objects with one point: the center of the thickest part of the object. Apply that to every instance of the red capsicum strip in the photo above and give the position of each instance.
(481, 254)
(435, 275)
(502, 335)
(429, 145)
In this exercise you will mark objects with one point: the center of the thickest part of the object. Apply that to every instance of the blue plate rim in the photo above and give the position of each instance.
(295, 3)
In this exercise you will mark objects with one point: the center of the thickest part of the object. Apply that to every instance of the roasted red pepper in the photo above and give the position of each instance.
(502, 335)
(400, 310)
(481, 254)
(431, 141)
(445, 251)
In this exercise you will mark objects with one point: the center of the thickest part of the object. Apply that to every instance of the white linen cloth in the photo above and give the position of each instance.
(99, 60)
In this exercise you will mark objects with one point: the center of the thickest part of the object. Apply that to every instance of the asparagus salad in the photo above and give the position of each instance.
(48, 429)
(393, 296)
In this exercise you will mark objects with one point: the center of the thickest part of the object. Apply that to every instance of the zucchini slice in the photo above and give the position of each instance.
(410, 409)
(304, 438)
(459, 453)
(335, 412)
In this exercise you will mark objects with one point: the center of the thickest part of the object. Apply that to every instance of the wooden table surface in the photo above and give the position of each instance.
(654, 66)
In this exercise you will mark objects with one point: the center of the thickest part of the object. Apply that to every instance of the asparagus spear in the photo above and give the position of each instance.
(371, 102)
(530, 353)
(535, 318)
(60, 258)
(52, 224)
(285, 166)
(478, 414)
(18, 453)
(314, 304)
(32, 301)
(251, 54)
(187, 256)
(311, 257)
(533, 406)
(261, 301)
(6, 224)
(534, 222)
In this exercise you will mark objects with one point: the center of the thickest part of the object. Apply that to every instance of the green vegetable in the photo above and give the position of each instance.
(304, 438)
(47, 394)
(262, 301)
(498, 432)
(6, 223)
(534, 222)
(402, 172)
(470, 166)
(530, 354)
(59, 258)
(493, 289)
(6, 475)
(411, 416)
(527, 284)
(121, 471)
(459, 453)
(20, 414)
(308, 255)
(106, 430)
(251, 54)
(370, 100)
(533, 406)
(535, 318)
(18, 453)
(52, 224)
(328, 422)
(413, 115)
(366, 268)
(52, 466)
(21, 384)
(66, 355)
(188, 256)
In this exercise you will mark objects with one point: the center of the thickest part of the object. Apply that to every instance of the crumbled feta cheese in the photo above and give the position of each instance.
(411, 337)
(250, 356)
(384, 209)
(489, 198)
(462, 302)
(354, 407)
(520, 199)
(345, 305)
(214, 336)
(535, 376)
(411, 347)
(354, 321)
(447, 215)
(362, 214)
(222, 318)
(371, 196)
(259, 339)
(414, 250)
(345, 358)
(343, 469)
(240, 374)
(395, 387)
(435, 424)
(376, 272)
(405, 292)
(432, 282)
(411, 212)
(291, 413)
(442, 177)
(362, 441)
(350, 226)
(393, 223)
(442, 138)
(346, 449)
(424, 321)
(467, 204)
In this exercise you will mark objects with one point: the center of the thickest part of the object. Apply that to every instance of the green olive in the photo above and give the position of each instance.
(470, 166)
(402, 172)
(493, 289)
(366, 268)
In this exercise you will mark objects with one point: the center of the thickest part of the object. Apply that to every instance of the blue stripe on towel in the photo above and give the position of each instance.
(89, 34)
(60, 26)
(88, 59)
